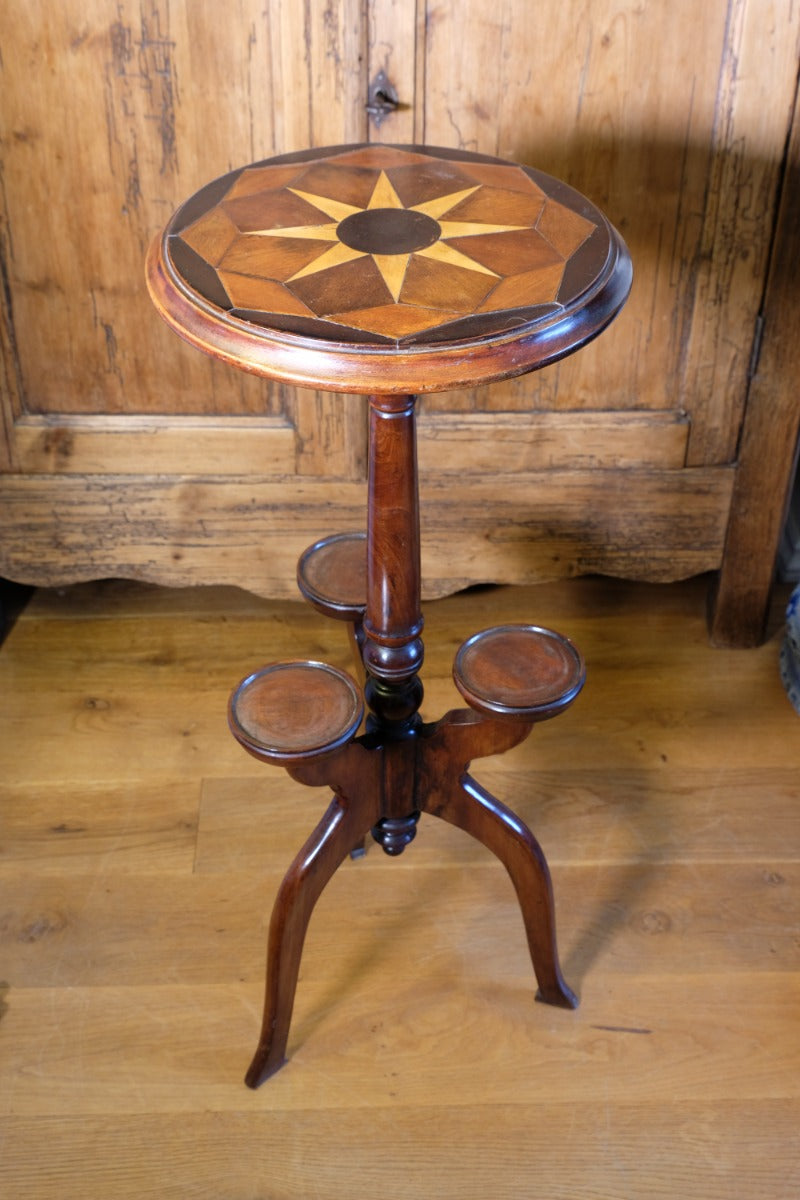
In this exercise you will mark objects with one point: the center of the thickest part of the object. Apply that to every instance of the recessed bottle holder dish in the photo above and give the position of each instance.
(522, 672)
(289, 712)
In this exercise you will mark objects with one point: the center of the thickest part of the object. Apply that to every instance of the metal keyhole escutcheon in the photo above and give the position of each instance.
(382, 98)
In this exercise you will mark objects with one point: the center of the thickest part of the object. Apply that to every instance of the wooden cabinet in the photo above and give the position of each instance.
(662, 450)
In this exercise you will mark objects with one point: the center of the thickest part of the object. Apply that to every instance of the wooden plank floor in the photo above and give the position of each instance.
(141, 849)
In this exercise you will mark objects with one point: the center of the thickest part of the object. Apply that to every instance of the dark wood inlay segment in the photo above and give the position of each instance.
(388, 231)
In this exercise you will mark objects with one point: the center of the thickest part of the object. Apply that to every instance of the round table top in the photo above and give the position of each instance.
(392, 269)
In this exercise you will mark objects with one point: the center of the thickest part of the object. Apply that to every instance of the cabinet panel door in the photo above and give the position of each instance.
(113, 114)
(673, 119)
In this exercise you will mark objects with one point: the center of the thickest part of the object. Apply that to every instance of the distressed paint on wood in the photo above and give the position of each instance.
(550, 441)
(198, 445)
(320, 441)
(523, 527)
(142, 126)
(395, 49)
(770, 435)
(755, 104)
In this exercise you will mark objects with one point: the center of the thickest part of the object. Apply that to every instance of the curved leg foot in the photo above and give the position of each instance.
(333, 839)
(472, 808)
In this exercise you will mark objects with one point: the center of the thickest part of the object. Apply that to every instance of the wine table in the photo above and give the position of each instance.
(392, 271)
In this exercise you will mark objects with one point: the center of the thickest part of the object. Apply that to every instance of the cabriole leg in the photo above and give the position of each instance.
(471, 808)
(330, 843)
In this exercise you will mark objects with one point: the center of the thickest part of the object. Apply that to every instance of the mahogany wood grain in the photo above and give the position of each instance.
(400, 767)
(381, 783)
(332, 575)
(341, 829)
(393, 622)
(291, 711)
(387, 269)
(519, 671)
(470, 806)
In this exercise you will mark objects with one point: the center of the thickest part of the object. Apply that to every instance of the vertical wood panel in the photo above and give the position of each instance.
(10, 383)
(134, 106)
(584, 94)
(769, 447)
(318, 66)
(624, 100)
(755, 99)
(101, 140)
(393, 47)
(117, 112)
(331, 439)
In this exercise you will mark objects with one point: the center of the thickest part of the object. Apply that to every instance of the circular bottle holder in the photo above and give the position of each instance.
(332, 575)
(288, 712)
(519, 671)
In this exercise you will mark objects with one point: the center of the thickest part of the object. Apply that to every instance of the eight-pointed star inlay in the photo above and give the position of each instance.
(391, 262)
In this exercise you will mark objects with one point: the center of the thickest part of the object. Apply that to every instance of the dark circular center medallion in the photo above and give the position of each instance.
(388, 231)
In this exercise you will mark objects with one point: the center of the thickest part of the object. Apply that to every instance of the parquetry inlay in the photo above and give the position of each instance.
(386, 243)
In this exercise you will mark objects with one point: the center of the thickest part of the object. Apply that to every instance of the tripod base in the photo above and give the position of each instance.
(370, 779)
(512, 676)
